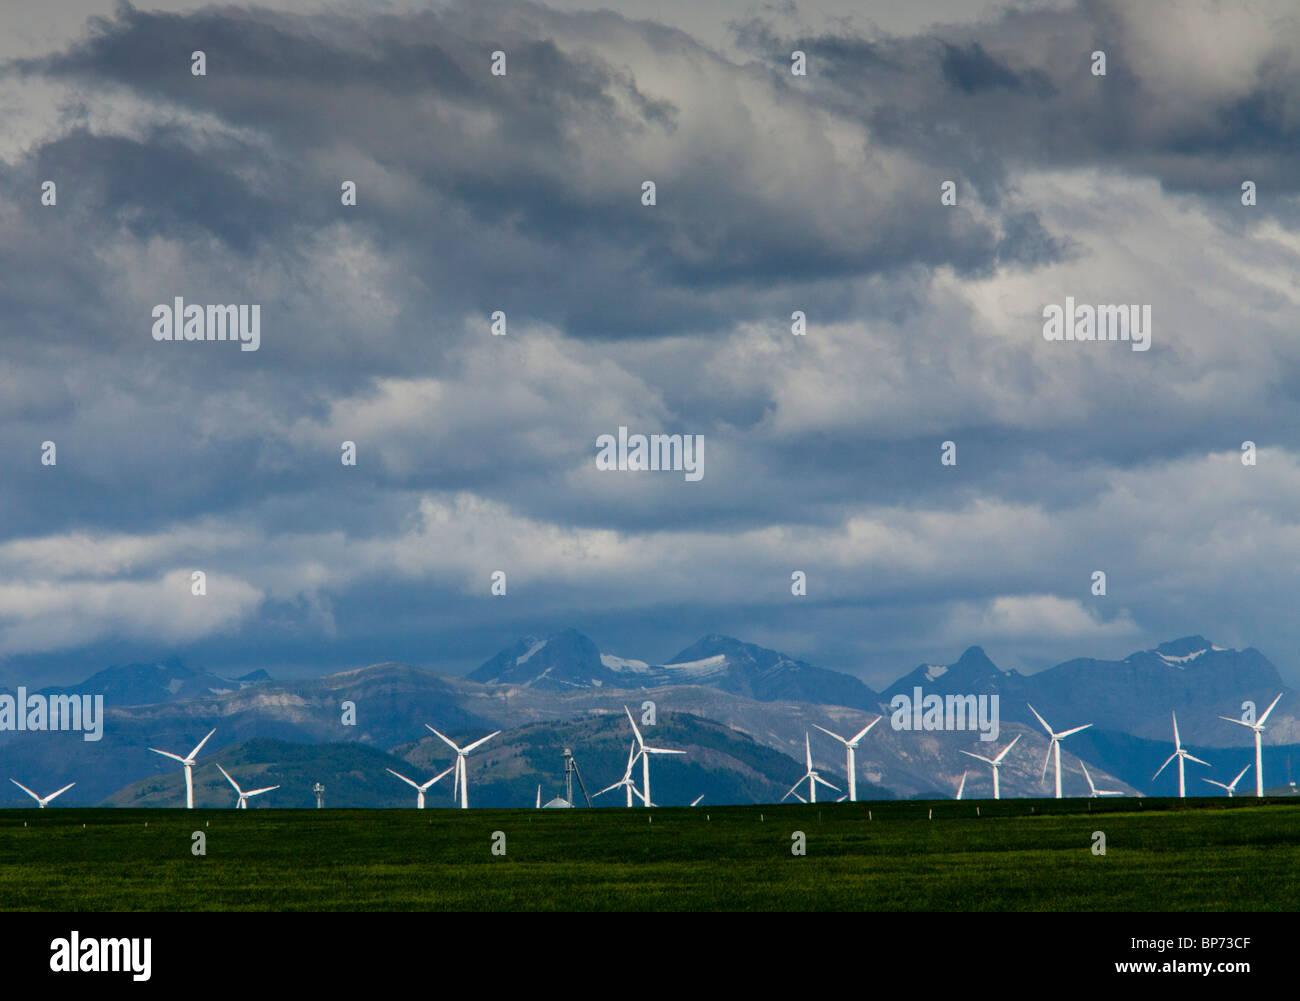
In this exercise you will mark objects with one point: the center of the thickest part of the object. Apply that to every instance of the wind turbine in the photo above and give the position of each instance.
(627, 782)
(462, 776)
(1258, 727)
(1055, 746)
(1180, 754)
(996, 763)
(420, 789)
(1095, 792)
(188, 762)
(243, 796)
(960, 788)
(812, 777)
(1231, 786)
(850, 746)
(42, 801)
(644, 754)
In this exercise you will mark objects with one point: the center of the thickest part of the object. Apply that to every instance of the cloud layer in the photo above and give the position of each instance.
(775, 194)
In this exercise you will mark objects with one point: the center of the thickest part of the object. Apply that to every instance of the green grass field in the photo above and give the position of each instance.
(1213, 854)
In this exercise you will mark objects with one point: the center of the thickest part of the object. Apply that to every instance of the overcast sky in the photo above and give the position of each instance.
(522, 193)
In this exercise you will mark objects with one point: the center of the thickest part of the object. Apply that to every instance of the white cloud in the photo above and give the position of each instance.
(1033, 617)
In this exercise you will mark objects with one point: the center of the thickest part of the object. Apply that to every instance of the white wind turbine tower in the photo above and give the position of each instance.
(461, 785)
(627, 782)
(962, 787)
(243, 796)
(1055, 746)
(996, 763)
(1093, 790)
(644, 754)
(811, 776)
(1258, 727)
(850, 746)
(42, 801)
(1180, 754)
(420, 789)
(188, 762)
(1231, 786)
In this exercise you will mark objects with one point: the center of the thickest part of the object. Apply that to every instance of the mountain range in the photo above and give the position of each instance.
(545, 691)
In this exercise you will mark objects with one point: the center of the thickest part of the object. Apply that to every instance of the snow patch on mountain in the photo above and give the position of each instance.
(1180, 661)
(537, 645)
(621, 664)
(716, 664)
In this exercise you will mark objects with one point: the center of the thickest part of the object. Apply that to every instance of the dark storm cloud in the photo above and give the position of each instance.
(971, 69)
(1018, 91)
(498, 163)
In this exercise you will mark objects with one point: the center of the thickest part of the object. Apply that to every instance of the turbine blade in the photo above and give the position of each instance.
(441, 775)
(979, 757)
(228, 778)
(26, 790)
(1193, 757)
(829, 734)
(1065, 733)
(481, 741)
(1260, 721)
(639, 741)
(1006, 750)
(1047, 759)
(403, 778)
(807, 750)
(863, 732)
(1241, 773)
(1177, 743)
(818, 778)
(258, 792)
(445, 740)
(1162, 767)
(195, 753)
(1239, 722)
(1087, 776)
(1041, 720)
(168, 754)
(659, 750)
(60, 792)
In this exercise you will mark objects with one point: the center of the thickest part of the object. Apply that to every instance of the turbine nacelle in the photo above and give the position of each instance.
(42, 801)
(460, 786)
(188, 763)
(1054, 746)
(811, 777)
(644, 753)
(420, 790)
(243, 795)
